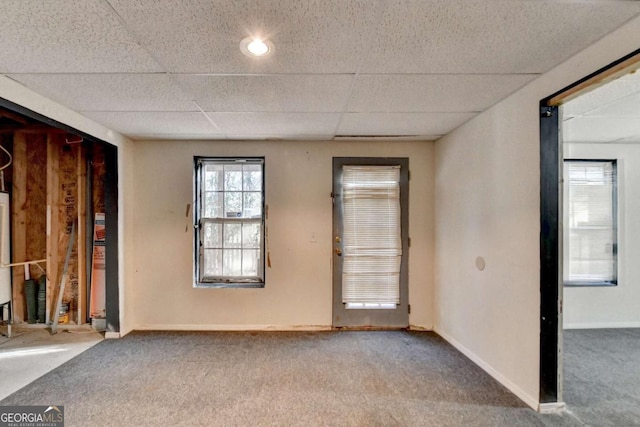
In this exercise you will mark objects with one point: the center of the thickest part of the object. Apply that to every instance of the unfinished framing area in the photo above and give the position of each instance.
(58, 181)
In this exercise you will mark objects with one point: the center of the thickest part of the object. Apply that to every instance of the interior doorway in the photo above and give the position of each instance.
(370, 241)
(603, 247)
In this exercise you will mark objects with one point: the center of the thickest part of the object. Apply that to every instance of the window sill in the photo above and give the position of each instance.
(590, 284)
(223, 285)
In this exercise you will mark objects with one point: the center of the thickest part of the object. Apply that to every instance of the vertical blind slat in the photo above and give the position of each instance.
(372, 246)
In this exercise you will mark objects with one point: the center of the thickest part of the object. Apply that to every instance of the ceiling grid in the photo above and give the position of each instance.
(384, 69)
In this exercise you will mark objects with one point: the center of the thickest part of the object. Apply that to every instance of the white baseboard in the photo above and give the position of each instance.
(526, 398)
(233, 327)
(111, 335)
(551, 408)
(601, 325)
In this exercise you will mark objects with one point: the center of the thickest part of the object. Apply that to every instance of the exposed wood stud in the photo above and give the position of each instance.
(18, 223)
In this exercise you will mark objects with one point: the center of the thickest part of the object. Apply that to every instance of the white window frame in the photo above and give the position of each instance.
(593, 281)
(200, 219)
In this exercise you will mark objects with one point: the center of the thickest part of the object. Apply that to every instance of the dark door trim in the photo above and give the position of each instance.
(550, 165)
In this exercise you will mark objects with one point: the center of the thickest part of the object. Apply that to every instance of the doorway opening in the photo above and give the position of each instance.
(370, 226)
(60, 234)
(578, 240)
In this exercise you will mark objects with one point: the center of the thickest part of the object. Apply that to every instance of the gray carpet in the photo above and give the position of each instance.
(279, 378)
(602, 376)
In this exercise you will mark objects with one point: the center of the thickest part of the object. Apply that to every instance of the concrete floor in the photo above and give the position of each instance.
(31, 353)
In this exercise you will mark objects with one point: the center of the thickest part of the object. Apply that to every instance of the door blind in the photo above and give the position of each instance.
(372, 246)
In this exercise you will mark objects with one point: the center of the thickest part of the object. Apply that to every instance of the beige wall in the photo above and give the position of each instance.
(617, 306)
(298, 285)
(487, 204)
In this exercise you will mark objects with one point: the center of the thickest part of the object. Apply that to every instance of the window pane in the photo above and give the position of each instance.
(212, 262)
(233, 177)
(251, 235)
(232, 235)
(233, 205)
(250, 262)
(213, 203)
(252, 205)
(212, 235)
(252, 178)
(232, 262)
(230, 215)
(590, 231)
(213, 177)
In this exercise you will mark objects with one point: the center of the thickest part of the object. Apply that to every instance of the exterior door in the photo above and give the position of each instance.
(370, 242)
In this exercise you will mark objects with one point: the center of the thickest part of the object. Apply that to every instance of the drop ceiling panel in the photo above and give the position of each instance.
(110, 92)
(147, 124)
(67, 36)
(601, 129)
(275, 125)
(629, 107)
(480, 36)
(269, 93)
(202, 36)
(397, 124)
(432, 93)
(619, 97)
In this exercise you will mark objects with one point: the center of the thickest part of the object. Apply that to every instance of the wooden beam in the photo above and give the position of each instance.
(53, 207)
(19, 223)
(13, 116)
(82, 228)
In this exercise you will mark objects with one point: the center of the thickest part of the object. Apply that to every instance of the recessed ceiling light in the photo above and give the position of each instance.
(255, 47)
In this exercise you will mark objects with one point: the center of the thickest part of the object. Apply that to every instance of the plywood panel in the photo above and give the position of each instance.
(36, 202)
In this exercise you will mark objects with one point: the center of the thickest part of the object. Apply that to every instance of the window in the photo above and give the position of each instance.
(590, 229)
(229, 222)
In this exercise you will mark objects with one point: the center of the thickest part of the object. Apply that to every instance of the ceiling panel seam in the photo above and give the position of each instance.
(133, 35)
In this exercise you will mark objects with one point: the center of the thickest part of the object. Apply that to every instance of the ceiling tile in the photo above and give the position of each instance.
(276, 125)
(203, 36)
(269, 93)
(480, 36)
(618, 97)
(67, 36)
(629, 106)
(397, 124)
(148, 124)
(110, 92)
(601, 129)
(432, 93)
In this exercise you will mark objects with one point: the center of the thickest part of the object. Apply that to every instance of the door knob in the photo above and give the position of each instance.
(338, 251)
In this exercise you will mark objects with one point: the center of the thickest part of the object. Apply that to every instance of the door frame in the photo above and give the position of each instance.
(374, 318)
(551, 378)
